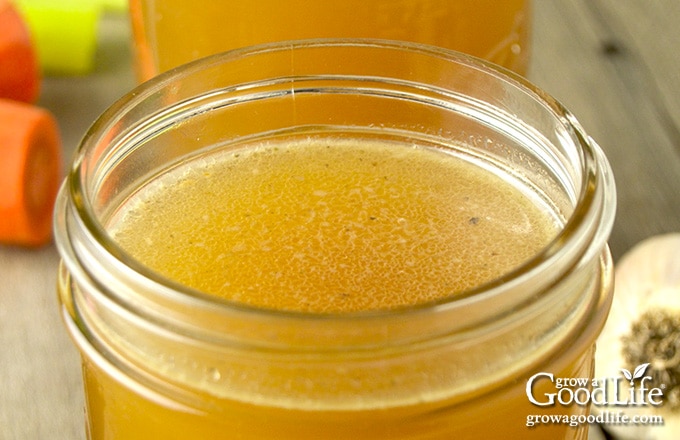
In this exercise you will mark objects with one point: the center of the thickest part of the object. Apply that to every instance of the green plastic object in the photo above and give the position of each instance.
(65, 32)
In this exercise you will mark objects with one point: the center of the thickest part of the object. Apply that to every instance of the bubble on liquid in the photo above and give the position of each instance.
(213, 374)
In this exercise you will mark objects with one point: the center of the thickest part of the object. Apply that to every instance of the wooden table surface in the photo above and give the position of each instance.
(613, 63)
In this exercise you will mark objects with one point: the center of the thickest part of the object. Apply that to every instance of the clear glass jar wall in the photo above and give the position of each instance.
(173, 32)
(163, 360)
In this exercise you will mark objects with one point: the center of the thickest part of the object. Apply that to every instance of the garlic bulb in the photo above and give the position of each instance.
(639, 347)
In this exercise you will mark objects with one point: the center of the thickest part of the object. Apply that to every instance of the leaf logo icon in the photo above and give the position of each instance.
(637, 373)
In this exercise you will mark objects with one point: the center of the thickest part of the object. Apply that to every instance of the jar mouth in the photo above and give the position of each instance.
(583, 235)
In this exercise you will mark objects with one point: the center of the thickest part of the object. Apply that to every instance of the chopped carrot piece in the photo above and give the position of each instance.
(30, 164)
(19, 70)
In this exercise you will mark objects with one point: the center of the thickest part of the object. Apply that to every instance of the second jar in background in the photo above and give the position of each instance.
(172, 32)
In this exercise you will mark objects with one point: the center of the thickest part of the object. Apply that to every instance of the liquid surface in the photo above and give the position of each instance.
(332, 225)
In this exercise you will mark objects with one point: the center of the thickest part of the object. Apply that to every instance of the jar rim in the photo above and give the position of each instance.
(579, 235)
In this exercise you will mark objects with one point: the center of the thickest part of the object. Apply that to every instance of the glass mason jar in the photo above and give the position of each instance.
(169, 33)
(163, 360)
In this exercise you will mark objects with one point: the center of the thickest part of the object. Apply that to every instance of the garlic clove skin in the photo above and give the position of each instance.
(652, 265)
(647, 280)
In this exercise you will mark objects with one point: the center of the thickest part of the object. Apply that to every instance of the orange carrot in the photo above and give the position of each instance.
(19, 71)
(30, 163)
